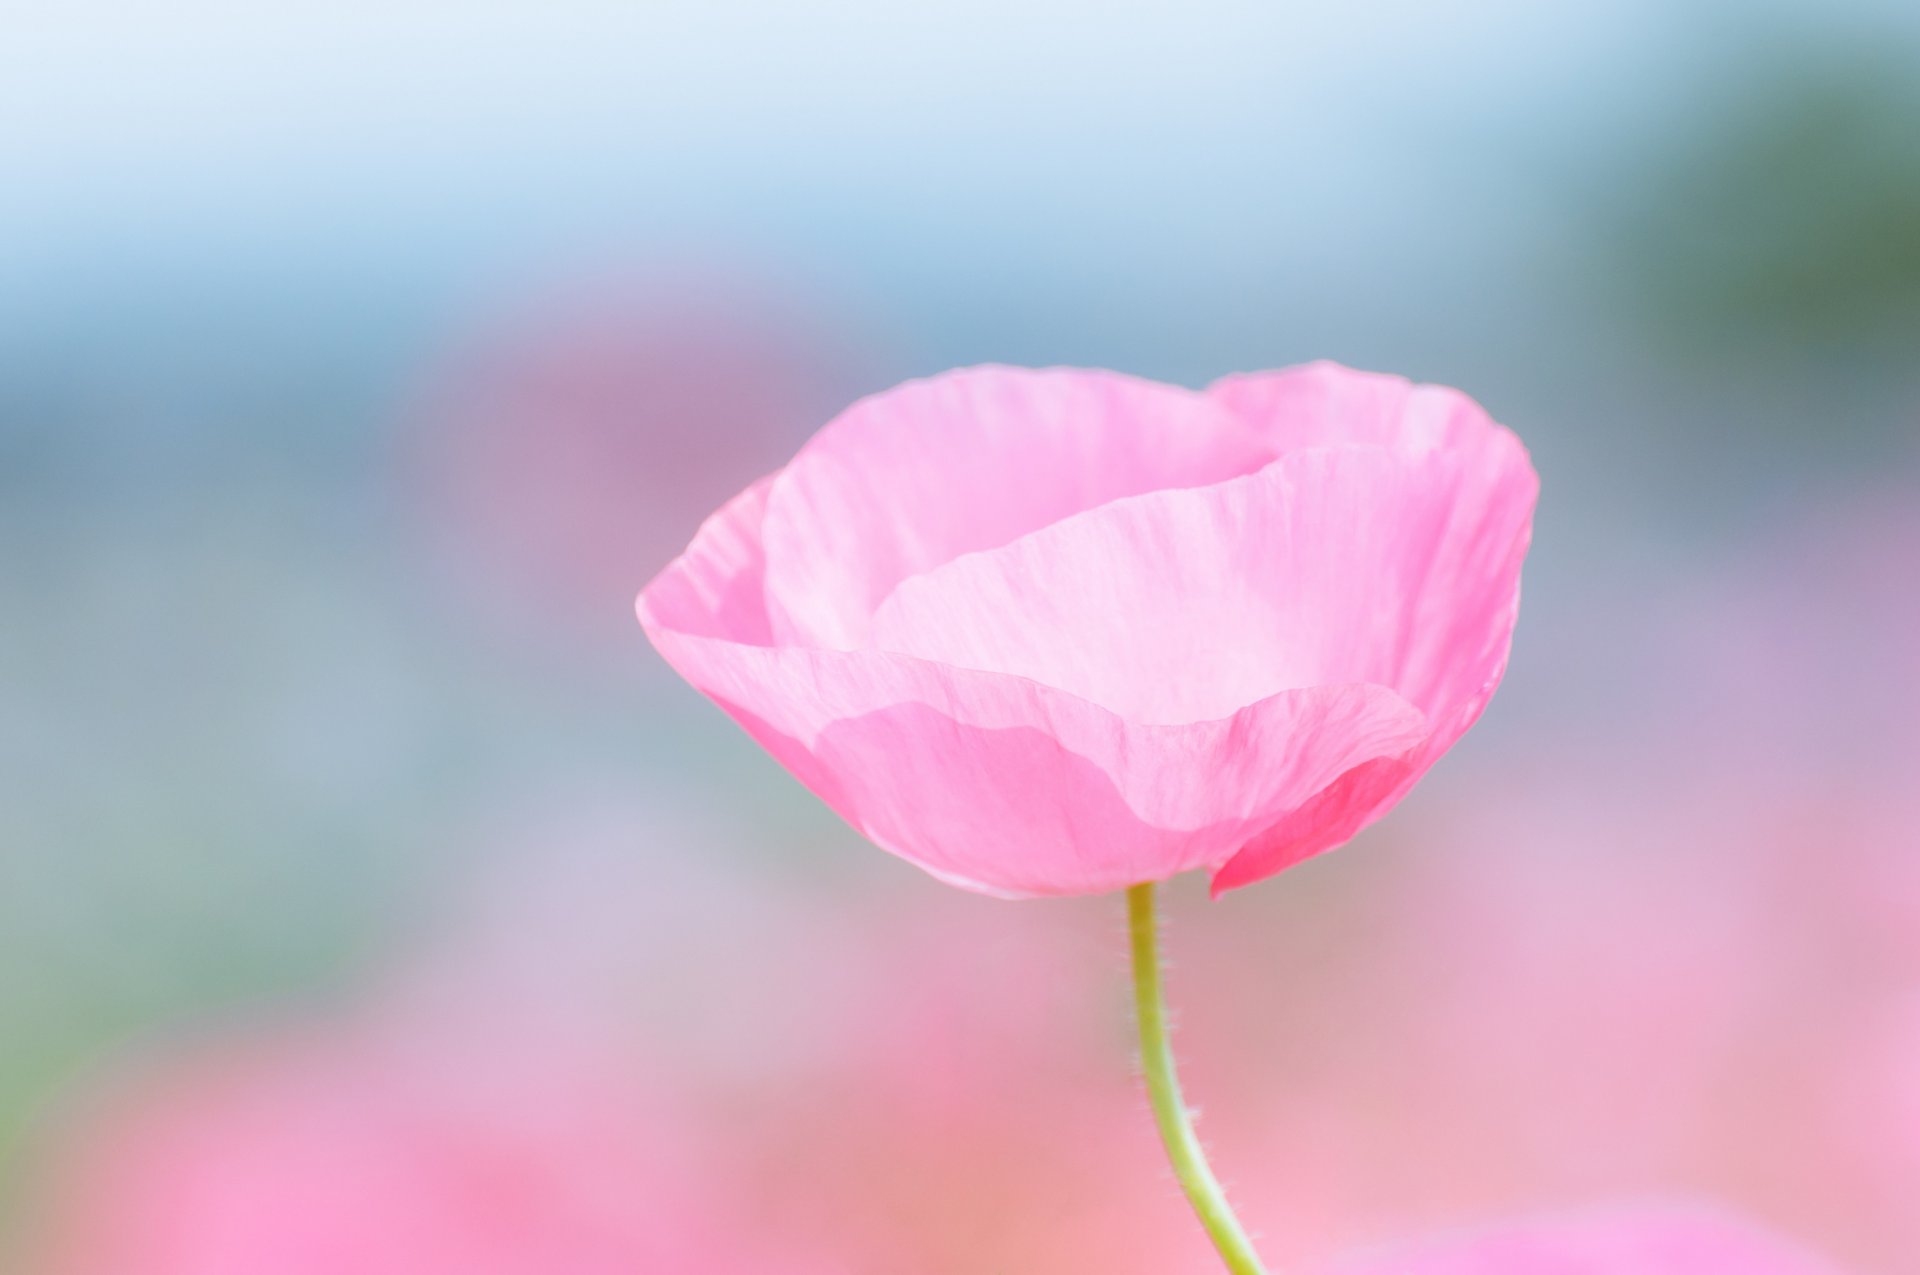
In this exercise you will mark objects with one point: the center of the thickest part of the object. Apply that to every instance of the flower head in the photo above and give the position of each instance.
(1059, 632)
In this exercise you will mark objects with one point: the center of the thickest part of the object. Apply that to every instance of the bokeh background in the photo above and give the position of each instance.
(372, 898)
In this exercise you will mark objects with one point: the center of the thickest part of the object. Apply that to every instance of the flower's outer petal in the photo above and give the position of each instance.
(1334, 817)
(1649, 1242)
(1011, 787)
(1325, 404)
(716, 588)
(969, 460)
(1458, 604)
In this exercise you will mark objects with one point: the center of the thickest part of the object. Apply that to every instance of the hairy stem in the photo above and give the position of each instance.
(1163, 1089)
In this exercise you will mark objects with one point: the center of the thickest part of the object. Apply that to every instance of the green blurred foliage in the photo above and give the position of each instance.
(1788, 224)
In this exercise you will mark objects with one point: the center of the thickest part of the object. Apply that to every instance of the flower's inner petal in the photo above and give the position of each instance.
(908, 480)
(1330, 566)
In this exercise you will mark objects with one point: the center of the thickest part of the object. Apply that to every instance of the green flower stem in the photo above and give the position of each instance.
(1163, 1089)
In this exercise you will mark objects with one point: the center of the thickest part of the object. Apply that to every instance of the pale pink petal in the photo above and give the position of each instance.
(1186, 605)
(1455, 603)
(969, 460)
(717, 587)
(1664, 1242)
(1323, 403)
(1006, 785)
(1331, 566)
(1334, 816)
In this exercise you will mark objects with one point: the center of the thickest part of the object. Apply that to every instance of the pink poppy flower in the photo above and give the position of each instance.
(1663, 1242)
(1060, 632)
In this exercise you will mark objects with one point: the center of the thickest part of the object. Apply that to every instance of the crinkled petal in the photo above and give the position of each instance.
(1011, 787)
(717, 587)
(1325, 404)
(1329, 566)
(908, 479)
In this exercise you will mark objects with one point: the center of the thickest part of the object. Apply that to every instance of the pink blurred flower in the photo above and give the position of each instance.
(352, 1149)
(1653, 1242)
(1870, 1158)
(1059, 632)
(565, 447)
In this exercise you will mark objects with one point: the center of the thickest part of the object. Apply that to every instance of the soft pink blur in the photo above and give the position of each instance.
(336, 1148)
(1650, 1242)
(1250, 618)
(1511, 1015)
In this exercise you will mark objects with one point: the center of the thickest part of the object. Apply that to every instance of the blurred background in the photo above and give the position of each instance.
(366, 880)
